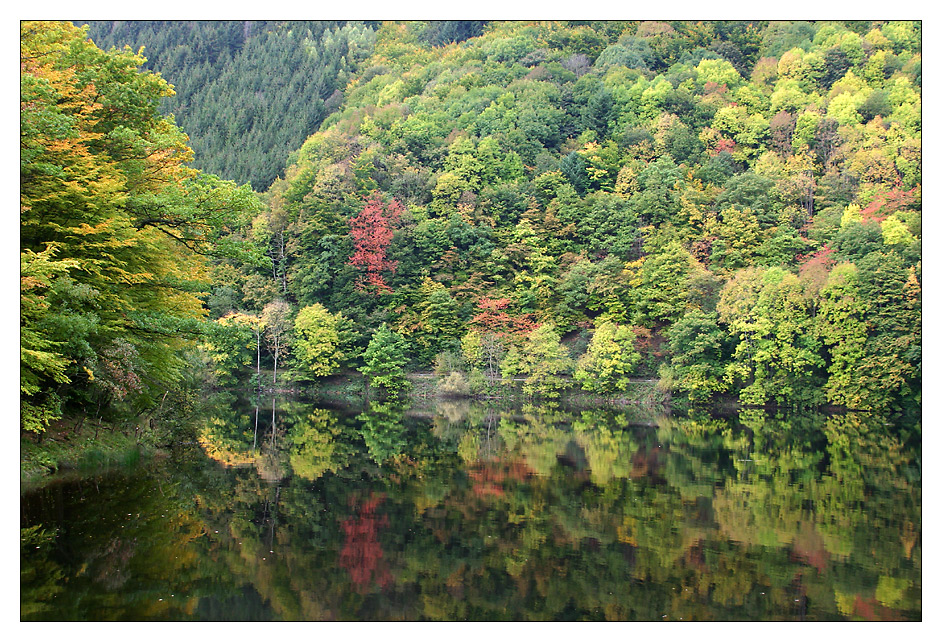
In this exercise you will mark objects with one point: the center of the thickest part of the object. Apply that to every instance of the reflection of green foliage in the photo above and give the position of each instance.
(314, 449)
(608, 450)
(383, 430)
(469, 446)
(538, 438)
(519, 515)
(131, 549)
(227, 431)
(890, 591)
(40, 577)
(454, 411)
(694, 441)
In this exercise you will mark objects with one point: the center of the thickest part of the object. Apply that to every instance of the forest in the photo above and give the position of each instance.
(732, 208)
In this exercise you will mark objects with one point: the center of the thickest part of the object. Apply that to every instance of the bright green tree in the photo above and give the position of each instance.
(739, 238)
(384, 361)
(541, 361)
(844, 331)
(231, 342)
(664, 275)
(697, 361)
(891, 370)
(609, 360)
(438, 323)
(104, 181)
(41, 357)
(318, 341)
(777, 357)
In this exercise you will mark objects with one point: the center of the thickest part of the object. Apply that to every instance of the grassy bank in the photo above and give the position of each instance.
(89, 448)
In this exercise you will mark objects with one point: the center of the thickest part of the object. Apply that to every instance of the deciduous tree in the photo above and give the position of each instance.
(384, 361)
(318, 341)
(609, 361)
(542, 361)
(277, 324)
(372, 231)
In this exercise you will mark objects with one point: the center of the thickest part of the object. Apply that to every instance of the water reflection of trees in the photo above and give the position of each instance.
(753, 517)
(112, 553)
(477, 512)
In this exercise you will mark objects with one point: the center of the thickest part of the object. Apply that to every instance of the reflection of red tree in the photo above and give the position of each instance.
(870, 609)
(808, 547)
(694, 556)
(362, 555)
(488, 477)
(486, 481)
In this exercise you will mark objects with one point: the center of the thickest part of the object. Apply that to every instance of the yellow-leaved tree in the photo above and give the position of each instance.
(114, 229)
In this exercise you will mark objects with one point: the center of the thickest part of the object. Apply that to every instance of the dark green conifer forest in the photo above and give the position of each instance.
(732, 208)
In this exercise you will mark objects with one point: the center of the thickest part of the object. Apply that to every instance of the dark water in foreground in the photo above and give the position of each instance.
(461, 511)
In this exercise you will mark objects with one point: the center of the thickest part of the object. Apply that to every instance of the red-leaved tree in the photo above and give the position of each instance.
(887, 203)
(814, 268)
(372, 231)
(493, 318)
(497, 330)
(824, 256)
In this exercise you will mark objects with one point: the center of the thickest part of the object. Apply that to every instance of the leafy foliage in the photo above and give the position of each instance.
(372, 230)
(383, 362)
(696, 182)
(318, 341)
(609, 360)
(115, 230)
(541, 361)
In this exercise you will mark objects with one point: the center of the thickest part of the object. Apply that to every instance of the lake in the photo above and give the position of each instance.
(462, 511)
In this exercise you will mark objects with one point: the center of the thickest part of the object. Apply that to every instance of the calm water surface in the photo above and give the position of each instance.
(458, 511)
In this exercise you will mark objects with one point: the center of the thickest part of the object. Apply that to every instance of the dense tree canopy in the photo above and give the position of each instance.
(246, 92)
(742, 198)
(115, 229)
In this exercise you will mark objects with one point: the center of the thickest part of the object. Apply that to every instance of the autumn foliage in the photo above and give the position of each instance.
(887, 203)
(362, 555)
(372, 231)
(493, 317)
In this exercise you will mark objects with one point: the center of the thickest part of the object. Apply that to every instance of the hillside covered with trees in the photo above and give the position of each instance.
(249, 92)
(733, 208)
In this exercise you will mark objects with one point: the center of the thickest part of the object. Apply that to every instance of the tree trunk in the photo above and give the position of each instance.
(281, 262)
(255, 439)
(258, 359)
(809, 198)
